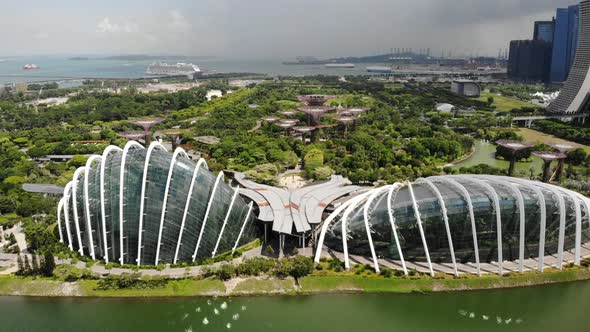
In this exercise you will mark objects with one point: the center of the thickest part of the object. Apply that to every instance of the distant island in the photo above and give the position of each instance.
(143, 57)
(78, 58)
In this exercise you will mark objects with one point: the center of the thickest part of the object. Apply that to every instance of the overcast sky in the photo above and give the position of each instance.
(266, 28)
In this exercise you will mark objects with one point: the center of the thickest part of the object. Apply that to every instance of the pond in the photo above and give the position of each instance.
(562, 307)
(485, 152)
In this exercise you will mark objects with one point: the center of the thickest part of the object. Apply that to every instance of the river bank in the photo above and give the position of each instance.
(313, 284)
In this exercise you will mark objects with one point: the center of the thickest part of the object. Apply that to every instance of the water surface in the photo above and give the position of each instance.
(549, 308)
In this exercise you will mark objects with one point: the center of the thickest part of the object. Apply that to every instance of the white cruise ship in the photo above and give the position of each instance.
(165, 69)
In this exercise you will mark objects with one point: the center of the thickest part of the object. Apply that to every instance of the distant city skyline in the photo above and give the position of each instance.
(264, 29)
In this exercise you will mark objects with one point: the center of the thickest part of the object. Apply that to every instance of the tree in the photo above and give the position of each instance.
(35, 265)
(490, 100)
(21, 265)
(47, 264)
(577, 156)
(301, 266)
(27, 270)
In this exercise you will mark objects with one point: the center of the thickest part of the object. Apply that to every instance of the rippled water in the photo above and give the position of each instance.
(549, 308)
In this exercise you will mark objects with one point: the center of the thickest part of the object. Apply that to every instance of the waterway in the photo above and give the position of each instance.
(55, 68)
(485, 154)
(562, 307)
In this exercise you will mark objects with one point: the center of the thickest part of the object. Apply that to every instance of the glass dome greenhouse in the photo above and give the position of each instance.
(465, 219)
(149, 206)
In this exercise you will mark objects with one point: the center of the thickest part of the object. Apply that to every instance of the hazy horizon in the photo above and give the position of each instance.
(264, 29)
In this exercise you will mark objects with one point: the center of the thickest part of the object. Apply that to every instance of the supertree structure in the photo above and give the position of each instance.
(514, 147)
(133, 135)
(147, 124)
(314, 113)
(288, 113)
(315, 100)
(563, 148)
(173, 135)
(548, 157)
(304, 130)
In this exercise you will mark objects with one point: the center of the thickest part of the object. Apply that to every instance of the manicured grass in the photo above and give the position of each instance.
(264, 286)
(330, 282)
(186, 287)
(374, 283)
(534, 136)
(504, 104)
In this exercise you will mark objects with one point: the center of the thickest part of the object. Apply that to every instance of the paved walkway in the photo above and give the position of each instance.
(531, 264)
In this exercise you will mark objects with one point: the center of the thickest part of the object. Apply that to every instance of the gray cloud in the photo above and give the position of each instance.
(273, 28)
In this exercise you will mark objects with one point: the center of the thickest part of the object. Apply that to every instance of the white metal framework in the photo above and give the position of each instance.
(121, 175)
(483, 196)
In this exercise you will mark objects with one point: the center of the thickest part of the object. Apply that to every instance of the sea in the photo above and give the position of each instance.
(62, 68)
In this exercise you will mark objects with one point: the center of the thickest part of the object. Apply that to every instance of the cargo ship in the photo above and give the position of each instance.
(380, 69)
(178, 69)
(339, 65)
(31, 67)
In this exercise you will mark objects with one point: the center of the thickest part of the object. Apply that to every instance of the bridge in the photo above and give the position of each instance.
(528, 119)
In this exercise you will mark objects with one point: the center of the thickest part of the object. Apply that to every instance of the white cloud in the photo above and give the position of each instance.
(105, 26)
(178, 21)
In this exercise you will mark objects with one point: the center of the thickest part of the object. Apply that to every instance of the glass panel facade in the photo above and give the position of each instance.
(482, 192)
(159, 165)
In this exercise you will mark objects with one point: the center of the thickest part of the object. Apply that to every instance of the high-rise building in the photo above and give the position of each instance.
(544, 30)
(575, 94)
(529, 60)
(565, 41)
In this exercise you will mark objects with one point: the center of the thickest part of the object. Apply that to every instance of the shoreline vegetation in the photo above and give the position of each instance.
(360, 279)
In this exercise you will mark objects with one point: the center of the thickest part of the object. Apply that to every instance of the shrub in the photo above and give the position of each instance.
(225, 272)
(387, 273)
(301, 266)
(283, 268)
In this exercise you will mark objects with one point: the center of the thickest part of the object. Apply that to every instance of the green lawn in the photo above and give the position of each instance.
(12, 285)
(504, 104)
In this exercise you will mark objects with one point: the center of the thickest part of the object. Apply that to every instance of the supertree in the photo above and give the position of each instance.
(304, 130)
(287, 125)
(173, 135)
(548, 157)
(288, 113)
(562, 148)
(314, 113)
(315, 100)
(346, 121)
(147, 124)
(514, 147)
(133, 135)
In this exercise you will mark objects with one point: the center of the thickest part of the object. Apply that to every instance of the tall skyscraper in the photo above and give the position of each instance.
(529, 60)
(575, 94)
(544, 30)
(565, 41)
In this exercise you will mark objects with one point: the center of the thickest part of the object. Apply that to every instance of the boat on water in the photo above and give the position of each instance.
(379, 69)
(339, 65)
(31, 67)
(166, 69)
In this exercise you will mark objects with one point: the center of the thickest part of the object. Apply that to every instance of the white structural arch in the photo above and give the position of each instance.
(498, 212)
(420, 228)
(153, 145)
(204, 224)
(110, 149)
(200, 163)
(355, 201)
(60, 207)
(443, 207)
(89, 162)
(395, 188)
(325, 226)
(76, 216)
(179, 151)
(467, 199)
(130, 145)
(368, 228)
(243, 227)
(229, 209)
(67, 193)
